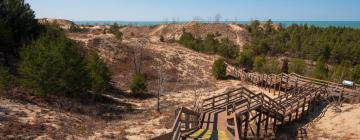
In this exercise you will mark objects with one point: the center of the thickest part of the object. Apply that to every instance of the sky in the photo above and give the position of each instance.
(185, 10)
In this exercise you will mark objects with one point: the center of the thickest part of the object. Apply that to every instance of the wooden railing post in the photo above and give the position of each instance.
(187, 121)
(213, 103)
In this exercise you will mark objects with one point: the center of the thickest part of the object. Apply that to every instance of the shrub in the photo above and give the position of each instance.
(245, 59)
(138, 84)
(210, 44)
(259, 63)
(341, 72)
(114, 29)
(52, 64)
(297, 66)
(219, 69)
(321, 69)
(76, 29)
(272, 67)
(5, 80)
(228, 49)
(356, 74)
(162, 39)
(285, 66)
(98, 73)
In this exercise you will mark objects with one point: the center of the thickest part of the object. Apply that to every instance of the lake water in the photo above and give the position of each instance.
(352, 24)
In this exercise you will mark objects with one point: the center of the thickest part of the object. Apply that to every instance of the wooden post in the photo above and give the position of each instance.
(270, 82)
(280, 85)
(274, 126)
(287, 84)
(246, 125)
(290, 117)
(303, 108)
(275, 84)
(213, 103)
(227, 98)
(296, 114)
(187, 121)
(266, 124)
(240, 125)
(258, 125)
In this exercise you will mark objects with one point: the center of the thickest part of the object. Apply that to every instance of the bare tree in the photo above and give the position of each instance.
(197, 19)
(137, 52)
(160, 84)
(217, 18)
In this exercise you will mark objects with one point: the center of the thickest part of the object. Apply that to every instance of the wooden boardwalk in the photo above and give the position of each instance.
(242, 114)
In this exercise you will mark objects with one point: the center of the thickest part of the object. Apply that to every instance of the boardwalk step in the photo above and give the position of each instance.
(203, 134)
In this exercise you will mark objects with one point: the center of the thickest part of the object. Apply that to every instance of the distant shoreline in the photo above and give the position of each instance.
(351, 24)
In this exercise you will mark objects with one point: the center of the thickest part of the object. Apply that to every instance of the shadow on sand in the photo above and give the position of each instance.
(297, 129)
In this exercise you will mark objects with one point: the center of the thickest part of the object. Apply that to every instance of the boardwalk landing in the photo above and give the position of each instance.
(242, 114)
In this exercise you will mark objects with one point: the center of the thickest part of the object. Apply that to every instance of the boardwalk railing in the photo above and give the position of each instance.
(186, 122)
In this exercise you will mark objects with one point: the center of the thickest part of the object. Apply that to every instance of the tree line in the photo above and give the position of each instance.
(336, 50)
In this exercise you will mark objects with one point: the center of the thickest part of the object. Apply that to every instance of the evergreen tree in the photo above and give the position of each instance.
(5, 80)
(297, 66)
(98, 73)
(18, 26)
(53, 65)
(259, 63)
(245, 59)
(285, 66)
(321, 69)
(356, 74)
(138, 84)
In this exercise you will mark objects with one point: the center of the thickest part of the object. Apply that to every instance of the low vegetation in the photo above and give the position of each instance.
(98, 73)
(332, 47)
(5, 81)
(53, 65)
(114, 29)
(219, 69)
(138, 84)
(18, 27)
(224, 47)
(76, 29)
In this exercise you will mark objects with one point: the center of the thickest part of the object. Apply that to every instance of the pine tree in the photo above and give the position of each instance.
(98, 73)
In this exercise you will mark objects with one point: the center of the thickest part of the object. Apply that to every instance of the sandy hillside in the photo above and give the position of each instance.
(188, 80)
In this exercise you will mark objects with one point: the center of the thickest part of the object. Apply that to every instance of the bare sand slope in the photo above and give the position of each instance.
(234, 32)
(334, 125)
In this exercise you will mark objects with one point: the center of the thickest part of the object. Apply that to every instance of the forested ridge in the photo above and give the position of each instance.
(333, 44)
(336, 50)
(331, 53)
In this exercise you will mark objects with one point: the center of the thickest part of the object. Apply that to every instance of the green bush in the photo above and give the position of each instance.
(76, 29)
(114, 29)
(341, 72)
(138, 84)
(259, 63)
(162, 39)
(297, 66)
(356, 74)
(5, 80)
(246, 59)
(219, 69)
(98, 73)
(210, 44)
(228, 49)
(272, 67)
(52, 64)
(321, 70)
(285, 66)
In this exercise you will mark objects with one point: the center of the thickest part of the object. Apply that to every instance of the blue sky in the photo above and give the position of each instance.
(160, 10)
